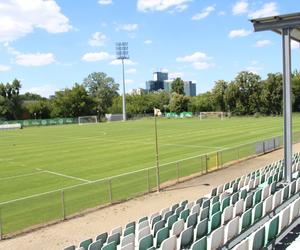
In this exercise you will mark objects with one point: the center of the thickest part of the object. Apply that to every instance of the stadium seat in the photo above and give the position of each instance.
(216, 238)
(238, 208)
(227, 214)
(157, 226)
(200, 244)
(145, 231)
(215, 221)
(85, 244)
(272, 227)
(102, 237)
(192, 220)
(155, 219)
(257, 239)
(178, 227)
(257, 212)
(195, 209)
(186, 238)
(130, 238)
(243, 245)
(70, 247)
(171, 220)
(245, 220)
(146, 242)
(129, 246)
(231, 229)
(143, 224)
(110, 246)
(184, 214)
(204, 213)
(284, 218)
(116, 230)
(169, 244)
(97, 245)
(202, 229)
(129, 230)
(162, 234)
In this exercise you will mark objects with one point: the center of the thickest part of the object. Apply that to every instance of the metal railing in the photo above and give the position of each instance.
(42, 209)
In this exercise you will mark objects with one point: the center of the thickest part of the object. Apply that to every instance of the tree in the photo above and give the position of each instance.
(201, 103)
(179, 103)
(10, 99)
(102, 89)
(271, 94)
(31, 97)
(218, 94)
(38, 109)
(178, 86)
(72, 102)
(296, 90)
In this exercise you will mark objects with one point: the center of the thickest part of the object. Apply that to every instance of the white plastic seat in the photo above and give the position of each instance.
(143, 232)
(267, 205)
(284, 218)
(190, 205)
(277, 199)
(164, 211)
(143, 224)
(220, 189)
(152, 216)
(298, 185)
(216, 239)
(227, 214)
(195, 209)
(116, 230)
(169, 244)
(295, 209)
(265, 192)
(238, 208)
(231, 229)
(127, 240)
(129, 246)
(177, 227)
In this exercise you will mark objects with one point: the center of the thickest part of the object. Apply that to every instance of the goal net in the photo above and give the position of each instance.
(87, 119)
(219, 115)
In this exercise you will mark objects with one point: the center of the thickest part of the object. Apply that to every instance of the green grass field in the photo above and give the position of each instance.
(43, 159)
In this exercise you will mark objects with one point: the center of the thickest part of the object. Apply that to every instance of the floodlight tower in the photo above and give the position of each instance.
(122, 54)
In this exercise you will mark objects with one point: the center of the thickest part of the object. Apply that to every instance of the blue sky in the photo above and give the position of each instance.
(51, 44)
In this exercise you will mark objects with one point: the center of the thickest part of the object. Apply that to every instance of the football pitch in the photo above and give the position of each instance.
(79, 159)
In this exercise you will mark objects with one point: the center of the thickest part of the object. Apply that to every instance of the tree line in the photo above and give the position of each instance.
(246, 94)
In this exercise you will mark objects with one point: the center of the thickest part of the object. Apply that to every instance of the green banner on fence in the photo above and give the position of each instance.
(42, 122)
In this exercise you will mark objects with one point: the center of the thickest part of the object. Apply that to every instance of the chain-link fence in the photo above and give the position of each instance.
(42, 209)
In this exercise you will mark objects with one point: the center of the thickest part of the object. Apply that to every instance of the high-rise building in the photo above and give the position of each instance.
(161, 81)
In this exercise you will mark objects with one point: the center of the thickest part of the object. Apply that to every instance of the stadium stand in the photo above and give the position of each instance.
(255, 211)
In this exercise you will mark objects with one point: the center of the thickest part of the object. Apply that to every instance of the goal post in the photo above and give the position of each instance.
(82, 120)
(220, 115)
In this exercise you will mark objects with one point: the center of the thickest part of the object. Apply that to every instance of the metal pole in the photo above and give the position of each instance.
(124, 97)
(110, 190)
(287, 101)
(63, 204)
(157, 156)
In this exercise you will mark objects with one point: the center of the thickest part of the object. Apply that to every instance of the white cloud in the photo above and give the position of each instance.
(128, 27)
(43, 90)
(262, 43)
(119, 62)
(198, 59)
(221, 13)
(204, 13)
(98, 39)
(105, 2)
(147, 41)
(239, 33)
(161, 5)
(4, 68)
(96, 56)
(175, 75)
(295, 45)
(37, 59)
(254, 67)
(20, 17)
(268, 9)
(240, 8)
(131, 71)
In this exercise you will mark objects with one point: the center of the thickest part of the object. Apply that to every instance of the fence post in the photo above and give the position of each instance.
(206, 163)
(63, 204)
(110, 191)
(148, 180)
(1, 224)
(177, 171)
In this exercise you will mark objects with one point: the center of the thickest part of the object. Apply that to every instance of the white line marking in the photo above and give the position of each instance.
(188, 146)
(21, 175)
(66, 176)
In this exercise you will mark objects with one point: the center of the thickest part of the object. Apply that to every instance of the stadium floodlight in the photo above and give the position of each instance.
(122, 54)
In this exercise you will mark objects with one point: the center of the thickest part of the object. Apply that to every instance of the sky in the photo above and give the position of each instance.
(51, 44)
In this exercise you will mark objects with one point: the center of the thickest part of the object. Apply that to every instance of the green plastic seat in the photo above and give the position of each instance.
(129, 230)
(179, 210)
(143, 219)
(215, 221)
(234, 198)
(96, 245)
(131, 224)
(243, 194)
(171, 220)
(273, 187)
(225, 203)
(215, 208)
(146, 242)
(215, 199)
(85, 244)
(162, 234)
(286, 193)
(157, 226)
(186, 238)
(110, 246)
(156, 219)
(213, 192)
(272, 230)
(246, 219)
(168, 214)
(102, 237)
(200, 244)
(226, 186)
(174, 207)
(257, 197)
(192, 220)
(202, 229)
(257, 212)
(184, 214)
(206, 203)
(183, 203)
(200, 201)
